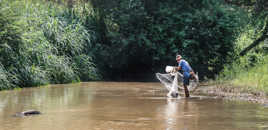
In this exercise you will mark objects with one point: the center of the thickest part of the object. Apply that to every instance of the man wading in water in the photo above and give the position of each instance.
(188, 73)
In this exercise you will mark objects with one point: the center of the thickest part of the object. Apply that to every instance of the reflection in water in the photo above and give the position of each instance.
(123, 106)
(181, 114)
(171, 113)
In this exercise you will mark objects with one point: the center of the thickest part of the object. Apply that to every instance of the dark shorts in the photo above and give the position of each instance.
(186, 78)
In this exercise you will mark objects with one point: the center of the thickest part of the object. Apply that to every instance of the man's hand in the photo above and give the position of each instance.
(178, 68)
(192, 73)
(174, 70)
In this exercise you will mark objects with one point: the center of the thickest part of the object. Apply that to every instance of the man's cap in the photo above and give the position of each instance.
(178, 56)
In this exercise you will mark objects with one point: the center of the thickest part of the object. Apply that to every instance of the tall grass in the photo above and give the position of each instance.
(254, 78)
(52, 46)
(250, 71)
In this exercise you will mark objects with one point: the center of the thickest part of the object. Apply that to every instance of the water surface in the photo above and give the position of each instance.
(124, 106)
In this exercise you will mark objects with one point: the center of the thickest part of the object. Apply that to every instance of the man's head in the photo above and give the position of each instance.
(178, 58)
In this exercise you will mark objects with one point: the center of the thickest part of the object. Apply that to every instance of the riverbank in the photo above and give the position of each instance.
(230, 92)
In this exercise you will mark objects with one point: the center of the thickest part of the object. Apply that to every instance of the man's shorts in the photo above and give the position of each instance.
(186, 78)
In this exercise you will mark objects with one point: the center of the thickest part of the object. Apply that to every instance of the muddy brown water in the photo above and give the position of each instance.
(124, 106)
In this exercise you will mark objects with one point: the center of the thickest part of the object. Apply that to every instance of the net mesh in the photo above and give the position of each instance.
(174, 82)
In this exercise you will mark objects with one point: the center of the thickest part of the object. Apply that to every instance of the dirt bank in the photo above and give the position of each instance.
(232, 93)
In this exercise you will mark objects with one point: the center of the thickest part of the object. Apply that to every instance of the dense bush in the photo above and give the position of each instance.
(42, 43)
(141, 39)
(4, 82)
(9, 41)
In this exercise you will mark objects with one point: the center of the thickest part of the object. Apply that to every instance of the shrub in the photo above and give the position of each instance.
(42, 44)
(4, 81)
(140, 40)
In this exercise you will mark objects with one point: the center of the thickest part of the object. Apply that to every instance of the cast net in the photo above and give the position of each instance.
(173, 81)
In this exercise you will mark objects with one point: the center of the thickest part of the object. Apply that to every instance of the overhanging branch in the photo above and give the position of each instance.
(256, 42)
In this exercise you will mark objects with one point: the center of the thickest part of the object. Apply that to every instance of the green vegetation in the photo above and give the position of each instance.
(139, 38)
(42, 44)
(248, 78)
(249, 72)
(47, 42)
(255, 77)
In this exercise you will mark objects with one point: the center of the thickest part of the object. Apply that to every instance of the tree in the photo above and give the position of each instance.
(263, 36)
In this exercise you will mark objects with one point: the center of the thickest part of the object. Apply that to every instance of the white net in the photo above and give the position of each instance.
(174, 81)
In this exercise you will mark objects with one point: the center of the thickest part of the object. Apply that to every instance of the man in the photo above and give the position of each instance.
(187, 73)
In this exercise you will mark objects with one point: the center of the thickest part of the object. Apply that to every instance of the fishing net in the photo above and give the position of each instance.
(173, 81)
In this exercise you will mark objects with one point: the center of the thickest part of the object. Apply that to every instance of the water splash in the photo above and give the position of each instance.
(170, 81)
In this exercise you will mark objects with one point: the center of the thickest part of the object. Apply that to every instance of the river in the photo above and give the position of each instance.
(124, 106)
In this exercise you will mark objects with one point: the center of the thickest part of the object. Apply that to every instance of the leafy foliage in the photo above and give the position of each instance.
(42, 45)
(250, 70)
(144, 40)
(4, 81)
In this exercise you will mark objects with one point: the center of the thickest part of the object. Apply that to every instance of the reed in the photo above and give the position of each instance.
(254, 78)
(49, 46)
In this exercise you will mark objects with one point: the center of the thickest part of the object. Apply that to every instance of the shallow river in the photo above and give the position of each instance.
(124, 106)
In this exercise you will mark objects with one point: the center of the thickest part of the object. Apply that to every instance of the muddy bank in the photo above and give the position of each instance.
(232, 93)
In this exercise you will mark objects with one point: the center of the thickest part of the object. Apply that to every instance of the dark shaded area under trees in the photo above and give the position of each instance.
(138, 38)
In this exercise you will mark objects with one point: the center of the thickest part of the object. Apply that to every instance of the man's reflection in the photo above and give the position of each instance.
(181, 114)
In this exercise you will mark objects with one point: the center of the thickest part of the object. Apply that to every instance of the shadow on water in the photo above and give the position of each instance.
(124, 106)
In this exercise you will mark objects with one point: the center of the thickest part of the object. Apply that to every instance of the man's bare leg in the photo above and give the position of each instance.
(186, 91)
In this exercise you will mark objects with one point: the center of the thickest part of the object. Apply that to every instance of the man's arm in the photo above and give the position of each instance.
(178, 68)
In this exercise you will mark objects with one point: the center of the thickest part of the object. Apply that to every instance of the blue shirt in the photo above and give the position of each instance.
(185, 67)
